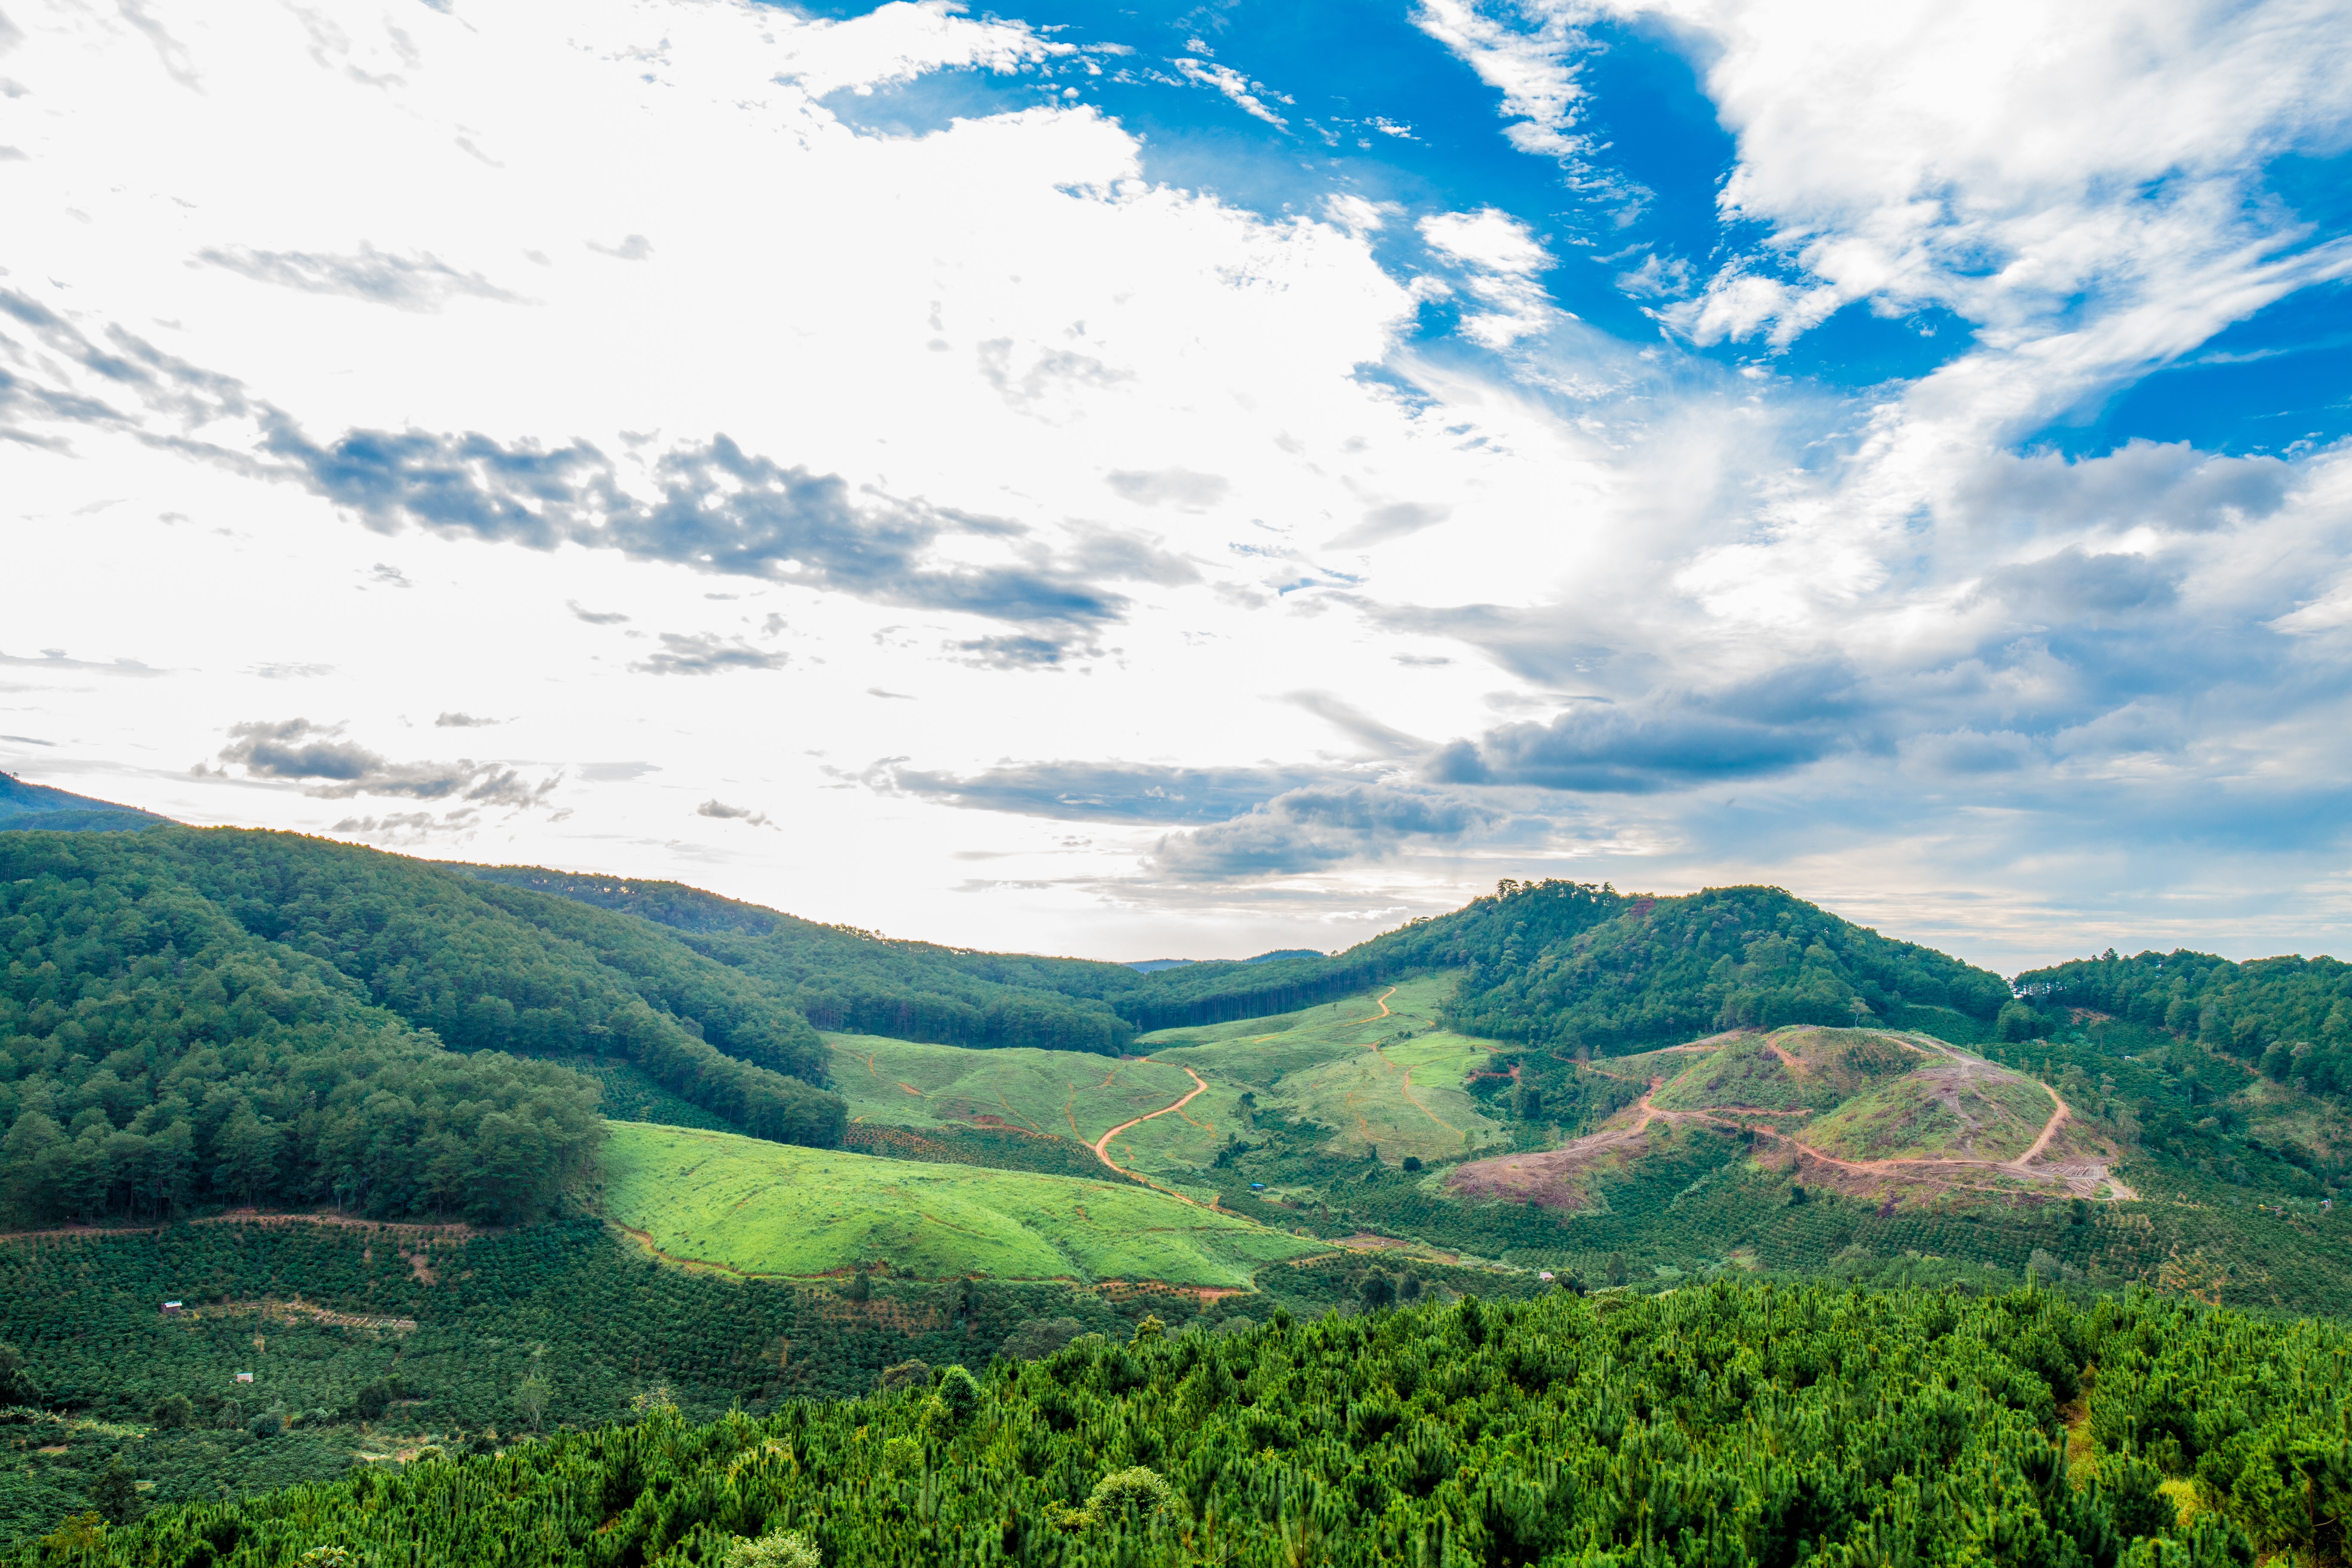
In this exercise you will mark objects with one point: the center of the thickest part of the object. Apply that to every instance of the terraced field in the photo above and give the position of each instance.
(748, 1206)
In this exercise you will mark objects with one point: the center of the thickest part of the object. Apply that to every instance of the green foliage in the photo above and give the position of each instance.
(844, 978)
(16, 1384)
(421, 1363)
(231, 1016)
(1722, 1424)
(155, 1053)
(1665, 968)
(2290, 1019)
(781, 1549)
(26, 807)
(1040, 1337)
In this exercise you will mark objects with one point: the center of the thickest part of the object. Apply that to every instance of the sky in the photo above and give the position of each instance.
(1180, 480)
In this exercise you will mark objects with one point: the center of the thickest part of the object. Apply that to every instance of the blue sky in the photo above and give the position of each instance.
(1140, 481)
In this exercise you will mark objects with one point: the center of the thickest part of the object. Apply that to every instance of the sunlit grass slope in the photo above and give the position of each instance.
(1389, 1081)
(756, 1207)
(1069, 1094)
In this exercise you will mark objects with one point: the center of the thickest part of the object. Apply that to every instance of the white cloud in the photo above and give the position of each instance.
(985, 420)
(1503, 263)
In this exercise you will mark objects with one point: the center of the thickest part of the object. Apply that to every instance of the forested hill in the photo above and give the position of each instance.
(26, 805)
(1572, 964)
(843, 978)
(1553, 962)
(2289, 1019)
(222, 1014)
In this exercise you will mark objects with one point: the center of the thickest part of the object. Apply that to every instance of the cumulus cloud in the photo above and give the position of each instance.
(462, 722)
(1504, 266)
(330, 767)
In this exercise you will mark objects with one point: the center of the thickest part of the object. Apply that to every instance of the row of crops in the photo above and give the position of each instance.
(1730, 1424)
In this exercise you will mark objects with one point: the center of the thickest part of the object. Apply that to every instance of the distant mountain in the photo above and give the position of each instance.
(38, 806)
(1154, 965)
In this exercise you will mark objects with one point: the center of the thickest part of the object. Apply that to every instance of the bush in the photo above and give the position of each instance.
(1040, 1337)
(905, 1375)
(778, 1549)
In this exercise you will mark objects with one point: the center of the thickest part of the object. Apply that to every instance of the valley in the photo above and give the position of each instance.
(448, 1157)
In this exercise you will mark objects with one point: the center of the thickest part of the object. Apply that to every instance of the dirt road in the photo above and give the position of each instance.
(1102, 1144)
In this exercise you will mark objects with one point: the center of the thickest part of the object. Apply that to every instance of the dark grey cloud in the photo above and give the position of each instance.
(712, 508)
(463, 721)
(1096, 792)
(1397, 521)
(595, 617)
(421, 283)
(1324, 824)
(2071, 586)
(718, 510)
(390, 576)
(1670, 741)
(333, 768)
(2143, 483)
(707, 652)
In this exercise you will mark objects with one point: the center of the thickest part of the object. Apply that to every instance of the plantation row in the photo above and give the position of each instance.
(1693, 1199)
(524, 1332)
(1719, 1426)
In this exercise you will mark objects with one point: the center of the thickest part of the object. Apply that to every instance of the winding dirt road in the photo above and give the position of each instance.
(1102, 1144)
(2085, 1179)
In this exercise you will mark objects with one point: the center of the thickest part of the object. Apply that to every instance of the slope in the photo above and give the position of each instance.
(251, 990)
(758, 1208)
(38, 806)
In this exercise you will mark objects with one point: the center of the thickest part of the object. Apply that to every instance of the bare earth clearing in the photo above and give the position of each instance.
(1555, 1178)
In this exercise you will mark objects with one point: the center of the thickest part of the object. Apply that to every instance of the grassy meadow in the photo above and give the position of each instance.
(754, 1207)
(1390, 1082)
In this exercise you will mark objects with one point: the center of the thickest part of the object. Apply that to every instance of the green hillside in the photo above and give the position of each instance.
(29, 806)
(758, 1208)
(1729, 1425)
(1063, 1094)
(206, 1016)
(842, 978)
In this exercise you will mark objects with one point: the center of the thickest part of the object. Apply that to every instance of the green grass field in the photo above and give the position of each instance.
(1066, 1094)
(774, 1210)
(1389, 1081)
